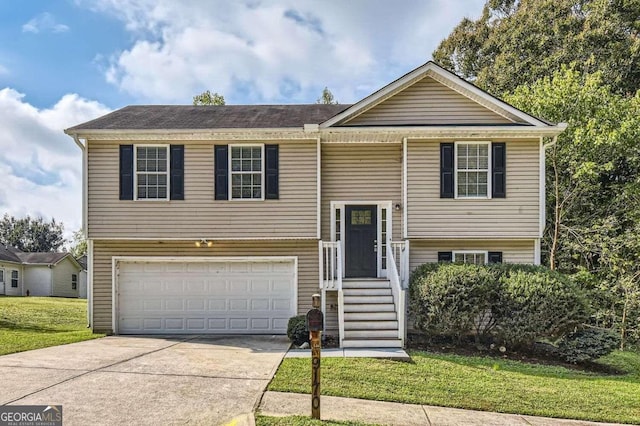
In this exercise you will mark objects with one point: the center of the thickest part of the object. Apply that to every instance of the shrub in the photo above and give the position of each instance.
(586, 345)
(452, 299)
(297, 330)
(537, 304)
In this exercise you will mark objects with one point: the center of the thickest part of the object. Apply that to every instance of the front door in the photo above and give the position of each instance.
(361, 232)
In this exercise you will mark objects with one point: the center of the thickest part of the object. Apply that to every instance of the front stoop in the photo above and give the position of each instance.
(370, 317)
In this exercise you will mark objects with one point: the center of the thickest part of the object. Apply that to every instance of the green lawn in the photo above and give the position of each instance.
(301, 421)
(37, 322)
(478, 383)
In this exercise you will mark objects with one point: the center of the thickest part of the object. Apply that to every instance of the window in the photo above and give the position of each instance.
(152, 172)
(383, 235)
(74, 281)
(472, 169)
(1, 275)
(472, 257)
(14, 279)
(338, 223)
(246, 172)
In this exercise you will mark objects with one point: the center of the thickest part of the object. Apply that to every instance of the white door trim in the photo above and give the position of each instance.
(133, 259)
(381, 205)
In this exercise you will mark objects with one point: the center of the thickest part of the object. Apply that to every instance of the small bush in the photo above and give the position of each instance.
(297, 330)
(586, 345)
(452, 299)
(537, 304)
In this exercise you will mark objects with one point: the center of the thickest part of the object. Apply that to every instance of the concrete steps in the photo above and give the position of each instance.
(370, 319)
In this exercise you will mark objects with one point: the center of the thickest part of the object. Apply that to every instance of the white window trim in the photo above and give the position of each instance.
(486, 254)
(340, 205)
(262, 172)
(135, 172)
(17, 278)
(455, 170)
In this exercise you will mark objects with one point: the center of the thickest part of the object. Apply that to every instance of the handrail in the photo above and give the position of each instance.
(398, 292)
(400, 251)
(330, 265)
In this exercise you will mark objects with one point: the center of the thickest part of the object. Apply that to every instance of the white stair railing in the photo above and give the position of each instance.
(331, 268)
(398, 291)
(400, 252)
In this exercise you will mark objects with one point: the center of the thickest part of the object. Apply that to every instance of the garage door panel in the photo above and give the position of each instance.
(205, 297)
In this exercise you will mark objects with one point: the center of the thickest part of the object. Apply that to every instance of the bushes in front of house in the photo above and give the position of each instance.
(513, 305)
(297, 330)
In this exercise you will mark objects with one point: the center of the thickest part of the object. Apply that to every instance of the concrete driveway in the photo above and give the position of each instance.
(145, 380)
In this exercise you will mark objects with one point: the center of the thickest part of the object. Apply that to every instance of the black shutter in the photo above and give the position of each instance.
(126, 172)
(498, 170)
(221, 172)
(271, 170)
(446, 170)
(495, 257)
(177, 172)
(445, 256)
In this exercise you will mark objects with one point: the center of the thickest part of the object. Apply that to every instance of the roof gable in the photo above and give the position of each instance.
(431, 95)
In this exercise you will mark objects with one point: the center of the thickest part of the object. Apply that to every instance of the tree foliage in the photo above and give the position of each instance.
(517, 42)
(326, 98)
(31, 234)
(78, 244)
(208, 98)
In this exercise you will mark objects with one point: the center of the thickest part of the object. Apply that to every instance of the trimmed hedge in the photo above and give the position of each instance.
(515, 305)
(297, 330)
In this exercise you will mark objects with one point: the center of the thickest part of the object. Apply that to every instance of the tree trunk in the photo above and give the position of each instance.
(557, 208)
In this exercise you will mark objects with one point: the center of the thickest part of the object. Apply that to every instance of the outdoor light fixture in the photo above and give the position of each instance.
(397, 207)
(204, 243)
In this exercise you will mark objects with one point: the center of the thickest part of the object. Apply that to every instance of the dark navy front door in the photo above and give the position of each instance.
(361, 232)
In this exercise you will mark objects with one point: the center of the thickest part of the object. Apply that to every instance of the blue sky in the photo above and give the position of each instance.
(67, 61)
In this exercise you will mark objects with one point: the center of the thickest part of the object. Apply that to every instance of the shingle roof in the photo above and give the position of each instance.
(9, 254)
(82, 261)
(44, 258)
(177, 117)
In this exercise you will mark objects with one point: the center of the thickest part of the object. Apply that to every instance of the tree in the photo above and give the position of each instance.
(517, 42)
(208, 98)
(593, 210)
(31, 234)
(79, 244)
(326, 97)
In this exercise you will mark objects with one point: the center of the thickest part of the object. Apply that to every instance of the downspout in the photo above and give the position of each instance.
(85, 217)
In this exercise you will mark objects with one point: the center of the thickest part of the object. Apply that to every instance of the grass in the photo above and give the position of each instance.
(301, 421)
(38, 322)
(480, 383)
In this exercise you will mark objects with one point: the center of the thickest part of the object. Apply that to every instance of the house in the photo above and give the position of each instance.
(82, 280)
(226, 219)
(38, 274)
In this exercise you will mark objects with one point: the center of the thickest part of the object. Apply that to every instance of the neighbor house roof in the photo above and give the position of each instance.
(9, 254)
(82, 261)
(181, 117)
(42, 258)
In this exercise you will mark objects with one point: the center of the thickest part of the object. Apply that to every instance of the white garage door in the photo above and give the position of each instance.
(232, 296)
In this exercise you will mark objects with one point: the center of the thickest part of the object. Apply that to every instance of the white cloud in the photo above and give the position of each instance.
(44, 22)
(284, 51)
(40, 165)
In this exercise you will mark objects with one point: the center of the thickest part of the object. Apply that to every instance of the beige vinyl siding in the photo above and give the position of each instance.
(61, 279)
(427, 102)
(516, 216)
(306, 251)
(361, 172)
(513, 251)
(293, 215)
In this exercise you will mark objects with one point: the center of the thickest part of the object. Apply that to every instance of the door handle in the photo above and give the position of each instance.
(375, 246)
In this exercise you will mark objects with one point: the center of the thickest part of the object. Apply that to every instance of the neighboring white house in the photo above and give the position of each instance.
(82, 289)
(38, 274)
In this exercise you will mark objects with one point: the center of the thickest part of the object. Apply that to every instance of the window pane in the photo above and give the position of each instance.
(162, 192)
(142, 192)
(235, 192)
(246, 192)
(246, 161)
(142, 179)
(162, 180)
(141, 153)
(162, 153)
(162, 165)
(459, 257)
(152, 192)
(257, 193)
(235, 180)
(235, 152)
(235, 165)
(472, 169)
(246, 165)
